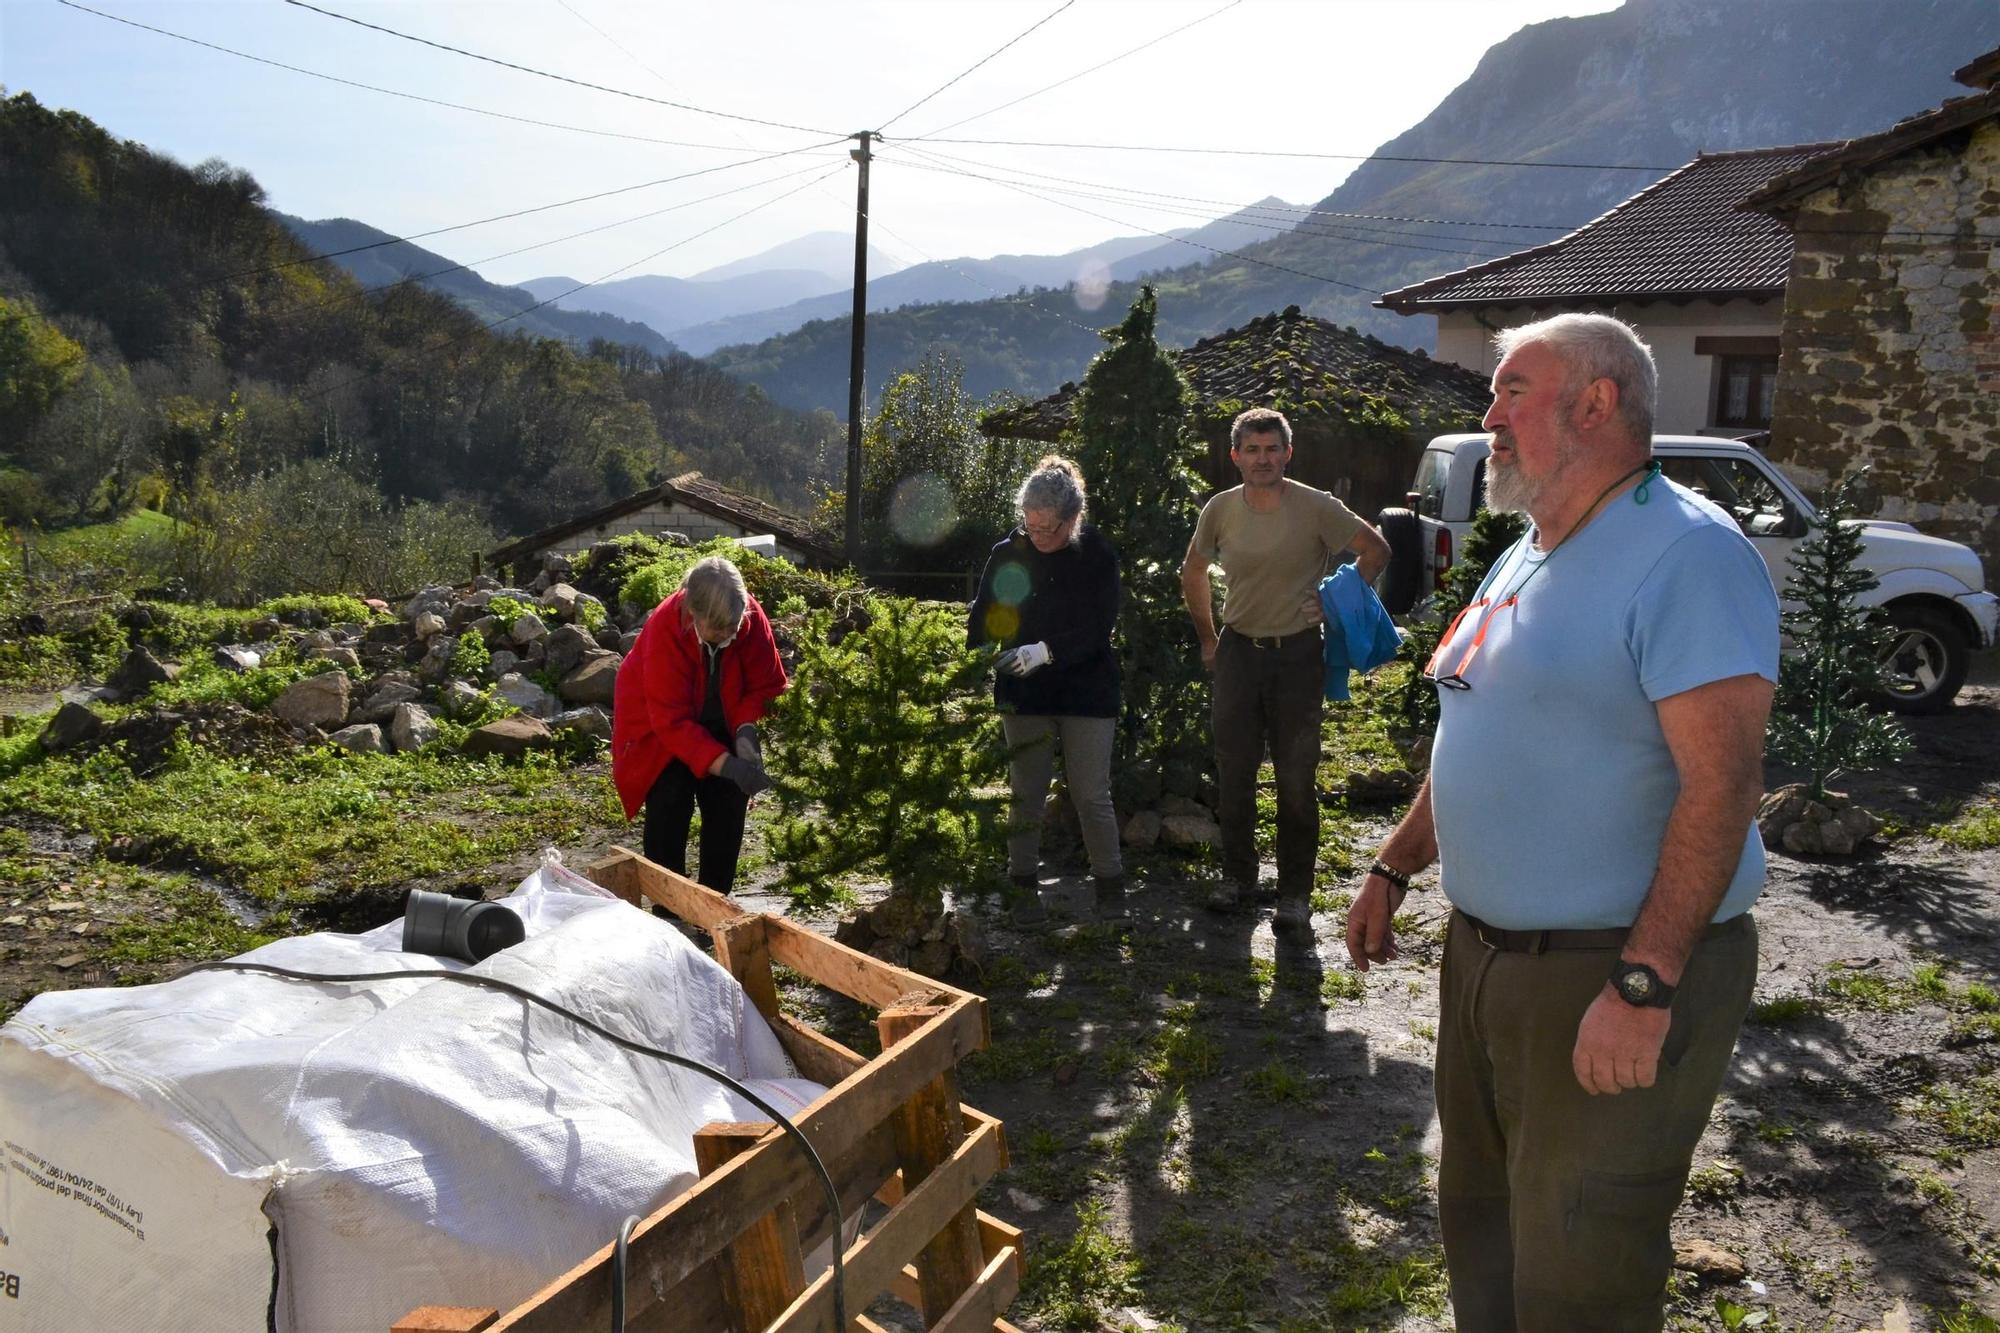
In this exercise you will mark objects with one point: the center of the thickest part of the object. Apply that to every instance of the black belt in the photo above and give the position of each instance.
(1274, 640)
(1541, 941)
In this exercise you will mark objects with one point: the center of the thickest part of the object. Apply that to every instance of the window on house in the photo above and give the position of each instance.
(1744, 395)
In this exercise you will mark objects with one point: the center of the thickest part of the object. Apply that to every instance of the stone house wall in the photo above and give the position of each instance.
(1891, 344)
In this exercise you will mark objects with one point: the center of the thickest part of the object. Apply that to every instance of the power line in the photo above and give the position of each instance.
(1364, 235)
(490, 325)
(1168, 236)
(518, 213)
(1276, 152)
(975, 65)
(394, 92)
(410, 278)
(981, 115)
(559, 78)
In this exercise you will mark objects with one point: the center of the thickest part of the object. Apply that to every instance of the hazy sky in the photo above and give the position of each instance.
(1330, 76)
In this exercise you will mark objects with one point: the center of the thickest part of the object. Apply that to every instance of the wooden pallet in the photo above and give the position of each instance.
(727, 1253)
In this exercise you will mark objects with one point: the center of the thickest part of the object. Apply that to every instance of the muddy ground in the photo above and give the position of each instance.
(1212, 1131)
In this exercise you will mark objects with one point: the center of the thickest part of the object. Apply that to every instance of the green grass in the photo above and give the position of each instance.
(1786, 1011)
(1715, 1184)
(1277, 1083)
(299, 826)
(184, 923)
(1968, 1114)
(1339, 984)
(1077, 1283)
(1966, 1319)
(1973, 830)
(1864, 990)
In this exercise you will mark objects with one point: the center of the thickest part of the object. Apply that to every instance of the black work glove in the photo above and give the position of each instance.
(748, 747)
(749, 778)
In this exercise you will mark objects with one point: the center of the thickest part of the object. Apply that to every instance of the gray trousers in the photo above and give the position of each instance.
(1556, 1204)
(1086, 749)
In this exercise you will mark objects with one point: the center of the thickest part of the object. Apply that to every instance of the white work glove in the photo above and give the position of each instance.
(747, 745)
(1027, 659)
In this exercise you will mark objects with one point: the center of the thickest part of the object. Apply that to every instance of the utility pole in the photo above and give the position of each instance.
(857, 357)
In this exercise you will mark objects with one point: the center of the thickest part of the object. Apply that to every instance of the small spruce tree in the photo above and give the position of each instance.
(1139, 460)
(1820, 722)
(887, 754)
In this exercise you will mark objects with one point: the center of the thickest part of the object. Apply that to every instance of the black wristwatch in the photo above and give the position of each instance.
(1640, 986)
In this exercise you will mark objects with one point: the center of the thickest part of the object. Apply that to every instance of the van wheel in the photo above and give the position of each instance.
(1926, 661)
(1402, 582)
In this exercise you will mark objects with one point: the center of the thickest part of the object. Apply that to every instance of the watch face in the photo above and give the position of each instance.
(1635, 986)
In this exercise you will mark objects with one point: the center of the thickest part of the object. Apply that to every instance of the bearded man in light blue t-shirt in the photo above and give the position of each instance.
(1591, 802)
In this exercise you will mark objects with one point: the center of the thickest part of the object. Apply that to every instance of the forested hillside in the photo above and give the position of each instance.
(163, 335)
(1651, 84)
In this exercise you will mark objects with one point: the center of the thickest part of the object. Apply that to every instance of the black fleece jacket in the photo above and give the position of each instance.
(1068, 600)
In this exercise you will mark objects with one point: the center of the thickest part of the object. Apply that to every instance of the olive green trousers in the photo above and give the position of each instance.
(1556, 1204)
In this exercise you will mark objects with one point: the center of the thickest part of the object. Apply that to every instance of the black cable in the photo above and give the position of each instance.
(975, 65)
(1080, 73)
(559, 78)
(624, 1043)
(394, 92)
(618, 1273)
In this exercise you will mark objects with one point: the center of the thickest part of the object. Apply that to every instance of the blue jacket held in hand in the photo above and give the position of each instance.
(1359, 634)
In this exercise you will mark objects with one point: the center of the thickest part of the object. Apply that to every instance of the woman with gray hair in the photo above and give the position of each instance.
(1049, 599)
(684, 719)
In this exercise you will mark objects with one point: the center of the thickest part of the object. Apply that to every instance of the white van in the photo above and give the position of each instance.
(1933, 591)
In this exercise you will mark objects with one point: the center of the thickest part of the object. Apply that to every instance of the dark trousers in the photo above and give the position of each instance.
(1268, 696)
(670, 807)
(1555, 1204)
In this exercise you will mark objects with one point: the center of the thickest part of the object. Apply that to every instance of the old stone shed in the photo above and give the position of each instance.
(691, 505)
(1891, 339)
(1361, 409)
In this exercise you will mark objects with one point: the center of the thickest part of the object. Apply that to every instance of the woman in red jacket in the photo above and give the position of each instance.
(684, 719)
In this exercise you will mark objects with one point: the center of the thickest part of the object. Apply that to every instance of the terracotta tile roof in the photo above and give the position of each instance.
(1788, 188)
(1681, 237)
(696, 492)
(1980, 71)
(1313, 368)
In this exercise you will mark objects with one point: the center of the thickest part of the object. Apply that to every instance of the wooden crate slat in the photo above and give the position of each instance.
(819, 1057)
(447, 1319)
(873, 1262)
(762, 1270)
(717, 1209)
(986, 1300)
(928, 1128)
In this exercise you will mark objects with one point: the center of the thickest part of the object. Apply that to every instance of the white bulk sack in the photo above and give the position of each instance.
(237, 1151)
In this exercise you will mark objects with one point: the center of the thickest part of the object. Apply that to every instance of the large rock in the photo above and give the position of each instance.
(594, 682)
(381, 705)
(411, 728)
(435, 599)
(566, 648)
(1142, 830)
(72, 725)
(439, 650)
(1190, 832)
(1708, 1261)
(527, 628)
(509, 737)
(340, 655)
(588, 721)
(427, 623)
(389, 631)
(139, 672)
(560, 601)
(501, 661)
(317, 701)
(526, 695)
(362, 738)
(458, 699)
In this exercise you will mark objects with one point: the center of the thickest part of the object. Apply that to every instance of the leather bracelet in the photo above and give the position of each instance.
(1390, 873)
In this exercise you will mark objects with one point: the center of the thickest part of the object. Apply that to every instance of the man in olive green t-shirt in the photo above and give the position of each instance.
(1275, 539)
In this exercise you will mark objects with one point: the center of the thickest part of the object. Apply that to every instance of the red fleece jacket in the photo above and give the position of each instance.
(656, 708)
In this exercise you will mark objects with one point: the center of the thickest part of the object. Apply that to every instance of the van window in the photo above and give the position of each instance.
(1429, 486)
(1757, 505)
